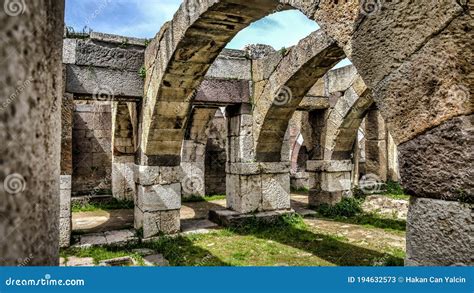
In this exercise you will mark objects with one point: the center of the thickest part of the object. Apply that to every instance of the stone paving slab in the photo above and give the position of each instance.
(109, 238)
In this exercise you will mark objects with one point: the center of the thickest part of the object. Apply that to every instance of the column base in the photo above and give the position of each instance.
(258, 187)
(319, 197)
(439, 233)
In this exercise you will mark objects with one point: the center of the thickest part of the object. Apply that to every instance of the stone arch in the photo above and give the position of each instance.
(344, 120)
(181, 53)
(295, 75)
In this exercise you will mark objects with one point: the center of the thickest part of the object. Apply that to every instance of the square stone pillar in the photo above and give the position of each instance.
(329, 181)
(252, 186)
(123, 183)
(258, 187)
(158, 200)
(65, 215)
(376, 145)
(65, 179)
(193, 164)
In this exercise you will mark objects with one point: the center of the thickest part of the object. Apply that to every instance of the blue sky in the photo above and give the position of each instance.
(143, 19)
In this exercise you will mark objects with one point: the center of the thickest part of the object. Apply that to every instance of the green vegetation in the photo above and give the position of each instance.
(197, 198)
(301, 190)
(285, 241)
(348, 207)
(349, 210)
(142, 72)
(394, 190)
(112, 204)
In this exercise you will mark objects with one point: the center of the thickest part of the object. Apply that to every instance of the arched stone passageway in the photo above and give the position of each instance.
(415, 58)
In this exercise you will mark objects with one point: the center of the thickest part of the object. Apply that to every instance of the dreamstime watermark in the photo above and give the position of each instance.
(283, 96)
(192, 7)
(103, 93)
(102, 5)
(20, 88)
(14, 183)
(373, 7)
(370, 183)
(193, 184)
(14, 7)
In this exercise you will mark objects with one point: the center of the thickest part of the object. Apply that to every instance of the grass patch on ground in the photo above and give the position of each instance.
(112, 204)
(197, 198)
(302, 190)
(394, 190)
(286, 241)
(101, 253)
(349, 210)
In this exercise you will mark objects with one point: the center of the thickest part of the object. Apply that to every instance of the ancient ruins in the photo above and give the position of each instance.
(181, 116)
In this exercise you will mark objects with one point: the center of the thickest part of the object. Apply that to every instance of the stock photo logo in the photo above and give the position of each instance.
(373, 7)
(283, 96)
(193, 183)
(14, 7)
(14, 183)
(370, 183)
(103, 93)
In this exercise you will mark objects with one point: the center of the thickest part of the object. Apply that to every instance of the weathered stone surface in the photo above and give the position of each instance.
(330, 166)
(439, 233)
(317, 197)
(223, 92)
(438, 163)
(103, 83)
(230, 67)
(386, 38)
(159, 197)
(438, 75)
(154, 223)
(125, 57)
(30, 131)
(123, 183)
(275, 192)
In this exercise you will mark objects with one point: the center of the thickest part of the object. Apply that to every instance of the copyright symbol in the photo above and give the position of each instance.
(401, 279)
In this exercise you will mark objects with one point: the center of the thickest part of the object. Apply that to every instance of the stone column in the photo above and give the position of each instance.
(30, 131)
(193, 165)
(252, 186)
(376, 145)
(392, 159)
(158, 199)
(332, 181)
(65, 226)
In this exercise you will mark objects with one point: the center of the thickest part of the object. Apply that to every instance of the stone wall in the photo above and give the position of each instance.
(30, 132)
(92, 151)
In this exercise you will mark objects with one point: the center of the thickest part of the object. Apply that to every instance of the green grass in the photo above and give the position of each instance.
(287, 241)
(197, 198)
(348, 207)
(374, 220)
(112, 204)
(302, 190)
(349, 210)
(395, 190)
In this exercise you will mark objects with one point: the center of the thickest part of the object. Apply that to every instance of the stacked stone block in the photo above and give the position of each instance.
(332, 181)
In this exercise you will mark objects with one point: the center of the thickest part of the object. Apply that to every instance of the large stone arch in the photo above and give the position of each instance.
(295, 75)
(181, 53)
(344, 121)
